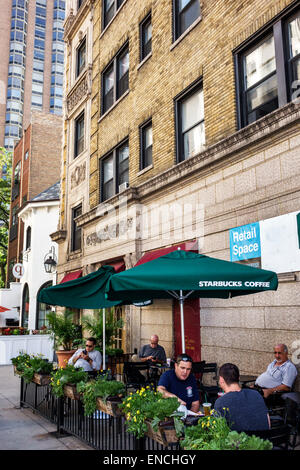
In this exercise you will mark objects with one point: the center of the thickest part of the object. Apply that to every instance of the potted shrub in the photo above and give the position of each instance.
(65, 333)
(147, 412)
(213, 433)
(102, 394)
(63, 381)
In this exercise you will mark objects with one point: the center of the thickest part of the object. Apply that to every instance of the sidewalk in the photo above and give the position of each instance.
(21, 429)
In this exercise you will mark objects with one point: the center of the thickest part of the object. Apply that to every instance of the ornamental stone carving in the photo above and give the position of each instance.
(78, 175)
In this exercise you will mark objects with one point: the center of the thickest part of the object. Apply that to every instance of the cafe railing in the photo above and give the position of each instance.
(99, 430)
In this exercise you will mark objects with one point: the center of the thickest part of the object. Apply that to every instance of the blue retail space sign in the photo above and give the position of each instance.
(245, 242)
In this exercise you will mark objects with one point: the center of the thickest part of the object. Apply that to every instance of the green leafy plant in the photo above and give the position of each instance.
(94, 324)
(28, 365)
(98, 388)
(20, 361)
(67, 375)
(63, 330)
(148, 404)
(5, 194)
(213, 433)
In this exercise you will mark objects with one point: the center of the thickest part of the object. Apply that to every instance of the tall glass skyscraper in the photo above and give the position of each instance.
(31, 68)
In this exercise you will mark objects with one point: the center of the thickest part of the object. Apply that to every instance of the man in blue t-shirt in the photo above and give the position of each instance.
(180, 383)
(244, 409)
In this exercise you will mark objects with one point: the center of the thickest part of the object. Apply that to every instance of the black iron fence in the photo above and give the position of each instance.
(99, 430)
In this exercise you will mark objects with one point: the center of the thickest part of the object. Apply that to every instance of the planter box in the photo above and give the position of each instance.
(165, 434)
(111, 406)
(41, 379)
(16, 372)
(71, 392)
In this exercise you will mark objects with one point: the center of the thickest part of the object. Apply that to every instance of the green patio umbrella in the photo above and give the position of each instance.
(182, 274)
(85, 292)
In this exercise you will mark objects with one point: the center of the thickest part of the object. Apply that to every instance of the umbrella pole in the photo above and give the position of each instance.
(182, 322)
(103, 341)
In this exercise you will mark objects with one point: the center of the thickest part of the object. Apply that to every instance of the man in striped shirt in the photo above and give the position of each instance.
(280, 374)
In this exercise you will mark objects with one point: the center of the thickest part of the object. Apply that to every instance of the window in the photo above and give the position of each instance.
(13, 231)
(42, 310)
(80, 57)
(185, 13)
(28, 238)
(79, 135)
(268, 69)
(17, 173)
(114, 171)
(25, 306)
(145, 37)
(115, 79)
(110, 8)
(190, 123)
(76, 231)
(146, 145)
(293, 32)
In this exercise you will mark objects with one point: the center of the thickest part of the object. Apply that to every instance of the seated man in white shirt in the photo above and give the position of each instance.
(280, 374)
(89, 359)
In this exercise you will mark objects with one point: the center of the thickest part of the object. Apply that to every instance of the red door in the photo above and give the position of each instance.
(191, 328)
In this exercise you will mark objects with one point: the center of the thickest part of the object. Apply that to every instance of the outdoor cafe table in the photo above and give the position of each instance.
(245, 379)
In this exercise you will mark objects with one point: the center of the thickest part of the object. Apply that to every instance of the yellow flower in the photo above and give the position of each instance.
(58, 382)
(138, 412)
(128, 405)
(134, 419)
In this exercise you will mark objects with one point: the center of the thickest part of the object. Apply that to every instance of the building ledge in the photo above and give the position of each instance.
(125, 197)
(73, 21)
(59, 236)
(287, 277)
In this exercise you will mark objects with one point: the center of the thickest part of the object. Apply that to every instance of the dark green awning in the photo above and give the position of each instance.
(85, 292)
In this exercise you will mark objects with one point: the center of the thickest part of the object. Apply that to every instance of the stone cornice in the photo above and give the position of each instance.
(129, 195)
(73, 21)
(59, 236)
(216, 156)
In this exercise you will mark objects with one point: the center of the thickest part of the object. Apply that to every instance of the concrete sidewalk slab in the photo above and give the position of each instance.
(21, 428)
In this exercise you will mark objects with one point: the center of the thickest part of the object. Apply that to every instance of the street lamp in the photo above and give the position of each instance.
(50, 261)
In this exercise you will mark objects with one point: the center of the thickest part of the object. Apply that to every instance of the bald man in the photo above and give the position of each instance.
(280, 374)
(153, 353)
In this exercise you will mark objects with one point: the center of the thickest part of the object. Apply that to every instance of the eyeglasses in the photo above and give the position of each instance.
(276, 352)
(89, 345)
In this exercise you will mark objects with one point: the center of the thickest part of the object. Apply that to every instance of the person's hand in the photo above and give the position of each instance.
(267, 392)
(85, 356)
(181, 401)
(150, 358)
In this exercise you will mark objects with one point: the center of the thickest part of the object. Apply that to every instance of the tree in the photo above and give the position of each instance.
(5, 188)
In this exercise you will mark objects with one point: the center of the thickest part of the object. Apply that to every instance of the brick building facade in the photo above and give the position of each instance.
(36, 166)
(193, 106)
